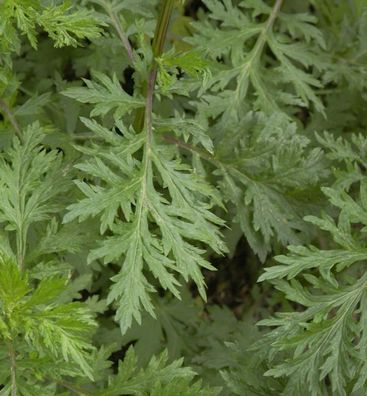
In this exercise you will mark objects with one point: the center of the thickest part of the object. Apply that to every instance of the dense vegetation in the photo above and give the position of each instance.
(183, 200)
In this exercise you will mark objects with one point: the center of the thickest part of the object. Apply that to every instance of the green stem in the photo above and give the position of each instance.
(193, 149)
(162, 27)
(207, 156)
(274, 14)
(120, 32)
(144, 117)
(160, 35)
(22, 229)
(13, 369)
(10, 116)
(258, 48)
(73, 388)
(21, 247)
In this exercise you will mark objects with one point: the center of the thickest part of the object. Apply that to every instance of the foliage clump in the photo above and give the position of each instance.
(145, 144)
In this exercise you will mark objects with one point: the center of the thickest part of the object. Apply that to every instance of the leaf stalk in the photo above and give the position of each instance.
(11, 117)
(119, 30)
(144, 115)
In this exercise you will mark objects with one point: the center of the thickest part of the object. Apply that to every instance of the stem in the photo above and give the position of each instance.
(259, 45)
(162, 27)
(274, 14)
(21, 247)
(149, 104)
(269, 24)
(193, 149)
(13, 369)
(208, 157)
(10, 116)
(73, 388)
(120, 32)
(145, 117)
(160, 35)
(22, 228)
(86, 136)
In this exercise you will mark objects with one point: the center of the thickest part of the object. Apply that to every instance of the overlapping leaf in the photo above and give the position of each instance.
(325, 341)
(27, 179)
(157, 209)
(38, 325)
(286, 80)
(263, 171)
(159, 378)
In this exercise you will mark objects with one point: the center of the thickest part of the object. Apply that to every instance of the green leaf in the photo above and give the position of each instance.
(158, 378)
(37, 323)
(323, 341)
(69, 28)
(106, 94)
(268, 172)
(27, 180)
(180, 217)
(285, 81)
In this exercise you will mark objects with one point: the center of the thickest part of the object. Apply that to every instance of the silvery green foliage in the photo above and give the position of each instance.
(135, 188)
(130, 163)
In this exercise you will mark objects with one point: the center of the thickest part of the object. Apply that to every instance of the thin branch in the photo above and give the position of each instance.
(258, 47)
(208, 157)
(149, 103)
(73, 388)
(120, 32)
(160, 35)
(13, 369)
(85, 136)
(193, 149)
(21, 241)
(274, 14)
(10, 116)
(146, 116)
